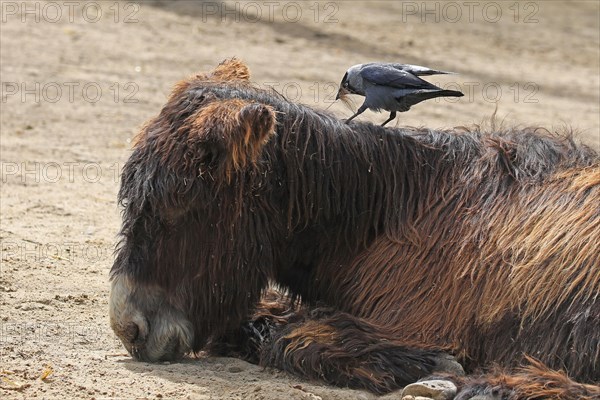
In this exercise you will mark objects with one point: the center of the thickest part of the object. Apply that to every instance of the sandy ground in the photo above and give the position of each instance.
(78, 79)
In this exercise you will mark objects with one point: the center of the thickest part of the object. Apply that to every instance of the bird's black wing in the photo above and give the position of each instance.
(386, 75)
(418, 70)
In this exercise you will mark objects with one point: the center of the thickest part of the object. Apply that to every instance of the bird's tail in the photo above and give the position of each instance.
(448, 93)
(414, 98)
(432, 94)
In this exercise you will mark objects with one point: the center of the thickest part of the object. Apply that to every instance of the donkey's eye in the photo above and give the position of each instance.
(171, 217)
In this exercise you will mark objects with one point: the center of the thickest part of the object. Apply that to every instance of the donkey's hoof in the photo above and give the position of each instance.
(435, 390)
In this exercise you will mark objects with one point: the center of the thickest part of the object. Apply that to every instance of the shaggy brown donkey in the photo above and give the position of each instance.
(401, 245)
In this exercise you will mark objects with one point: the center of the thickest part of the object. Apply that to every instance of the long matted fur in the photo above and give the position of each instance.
(413, 241)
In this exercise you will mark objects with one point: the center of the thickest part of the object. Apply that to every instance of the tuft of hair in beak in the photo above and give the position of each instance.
(342, 92)
(343, 95)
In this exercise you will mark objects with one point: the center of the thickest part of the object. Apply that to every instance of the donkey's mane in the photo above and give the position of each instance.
(372, 179)
(381, 175)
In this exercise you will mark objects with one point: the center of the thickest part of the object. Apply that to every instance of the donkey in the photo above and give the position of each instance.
(400, 251)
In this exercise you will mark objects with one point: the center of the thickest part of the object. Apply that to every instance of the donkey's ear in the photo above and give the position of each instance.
(258, 123)
(232, 132)
(255, 124)
(231, 70)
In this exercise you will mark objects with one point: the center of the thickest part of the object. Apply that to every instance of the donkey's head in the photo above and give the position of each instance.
(195, 252)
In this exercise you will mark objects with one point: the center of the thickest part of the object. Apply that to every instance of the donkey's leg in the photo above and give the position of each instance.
(346, 351)
(331, 346)
(532, 382)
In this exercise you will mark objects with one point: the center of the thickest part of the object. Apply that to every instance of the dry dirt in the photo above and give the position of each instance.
(76, 86)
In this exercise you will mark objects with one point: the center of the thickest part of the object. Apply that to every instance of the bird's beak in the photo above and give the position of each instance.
(341, 93)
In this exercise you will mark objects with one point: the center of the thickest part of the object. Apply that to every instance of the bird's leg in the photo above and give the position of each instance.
(358, 112)
(392, 116)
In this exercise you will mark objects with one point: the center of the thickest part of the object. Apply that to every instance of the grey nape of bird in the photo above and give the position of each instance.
(391, 87)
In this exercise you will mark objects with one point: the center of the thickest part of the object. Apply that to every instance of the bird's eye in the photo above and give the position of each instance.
(345, 84)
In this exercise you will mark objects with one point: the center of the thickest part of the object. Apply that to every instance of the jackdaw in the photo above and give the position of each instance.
(391, 87)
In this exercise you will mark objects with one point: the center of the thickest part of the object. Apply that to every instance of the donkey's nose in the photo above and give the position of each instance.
(131, 332)
(135, 332)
